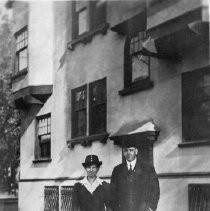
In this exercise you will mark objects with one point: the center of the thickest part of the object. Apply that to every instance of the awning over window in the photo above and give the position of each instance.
(132, 25)
(140, 132)
(31, 95)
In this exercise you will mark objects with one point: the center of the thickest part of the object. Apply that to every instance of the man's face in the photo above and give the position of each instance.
(130, 153)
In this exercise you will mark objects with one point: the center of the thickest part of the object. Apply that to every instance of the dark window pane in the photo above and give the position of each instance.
(98, 13)
(79, 113)
(80, 99)
(97, 121)
(195, 106)
(98, 94)
(45, 150)
(23, 59)
(80, 123)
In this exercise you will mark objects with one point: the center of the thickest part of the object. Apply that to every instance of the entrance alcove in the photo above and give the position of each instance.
(143, 135)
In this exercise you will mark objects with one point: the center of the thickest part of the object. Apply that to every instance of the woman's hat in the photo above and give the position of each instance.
(90, 160)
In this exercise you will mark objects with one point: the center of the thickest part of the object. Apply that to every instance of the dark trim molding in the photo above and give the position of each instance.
(177, 175)
(132, 25)
(87, 140)
(31, 95)
(182, 175)
(57, 179)
(194, 144)
(9, 201)
(32, 90)
(140, 86)
(87, 36)
(41, 160)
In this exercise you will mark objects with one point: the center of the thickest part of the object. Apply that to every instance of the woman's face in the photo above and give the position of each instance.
(92, 170)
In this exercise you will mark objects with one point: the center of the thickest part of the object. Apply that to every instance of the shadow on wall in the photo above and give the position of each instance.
(158, 5)
(28, 116)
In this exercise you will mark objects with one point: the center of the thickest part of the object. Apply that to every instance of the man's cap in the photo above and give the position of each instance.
(90, 160)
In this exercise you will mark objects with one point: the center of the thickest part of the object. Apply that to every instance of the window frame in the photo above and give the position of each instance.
(193, 141)
(17, 69)
(93, 25)
(131, 86)
(197, 193)
(73, 112)
(91, 106)
(38, 156)
(89, 136)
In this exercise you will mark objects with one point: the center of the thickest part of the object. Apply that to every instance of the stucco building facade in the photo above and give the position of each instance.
(89, 74)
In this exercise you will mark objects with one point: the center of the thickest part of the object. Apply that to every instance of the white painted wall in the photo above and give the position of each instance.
(103, 57)
(40, 43)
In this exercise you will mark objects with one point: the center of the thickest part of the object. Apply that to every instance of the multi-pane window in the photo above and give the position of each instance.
(22, 50)
(44, 136)
(137, 64)
(89, 100)
(87, 15)
(196, 105)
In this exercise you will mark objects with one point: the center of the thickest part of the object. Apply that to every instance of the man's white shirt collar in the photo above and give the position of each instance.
(132, 163)
(91, 187)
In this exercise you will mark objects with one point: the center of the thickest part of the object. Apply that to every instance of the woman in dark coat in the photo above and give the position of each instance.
(91, 193)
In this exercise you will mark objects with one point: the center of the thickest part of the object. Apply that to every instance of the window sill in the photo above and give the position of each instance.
(193, 144)
(87, 36)
(87, 140)
(19, 74)
(42, 160)
(139, 86)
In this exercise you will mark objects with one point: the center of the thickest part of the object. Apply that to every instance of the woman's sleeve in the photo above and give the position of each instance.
(106, 187)
(75, 198)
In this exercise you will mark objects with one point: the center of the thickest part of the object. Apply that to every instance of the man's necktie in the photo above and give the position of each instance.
(130, 168)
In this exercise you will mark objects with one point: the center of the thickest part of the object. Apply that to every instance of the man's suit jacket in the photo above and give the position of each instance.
(136, 191)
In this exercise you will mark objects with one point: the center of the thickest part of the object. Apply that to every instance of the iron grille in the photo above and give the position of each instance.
(199, 197)
(51, 198)
(66, 196)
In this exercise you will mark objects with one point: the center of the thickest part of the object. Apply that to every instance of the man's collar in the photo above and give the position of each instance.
(132, 163)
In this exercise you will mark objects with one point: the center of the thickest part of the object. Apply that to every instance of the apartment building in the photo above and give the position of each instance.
(91, 74)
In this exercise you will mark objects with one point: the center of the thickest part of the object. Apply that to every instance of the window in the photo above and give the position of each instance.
(21, 50)
(88, 19)
(136, 64)
(51, 198)
(43, 137)
(199, 197)
(66, 197)
(89, 100)
(196, 105)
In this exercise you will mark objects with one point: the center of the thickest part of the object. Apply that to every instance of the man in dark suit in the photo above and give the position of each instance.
(134, 184)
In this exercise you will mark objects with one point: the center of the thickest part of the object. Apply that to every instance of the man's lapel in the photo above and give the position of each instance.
(138, 168)
(124, 169)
